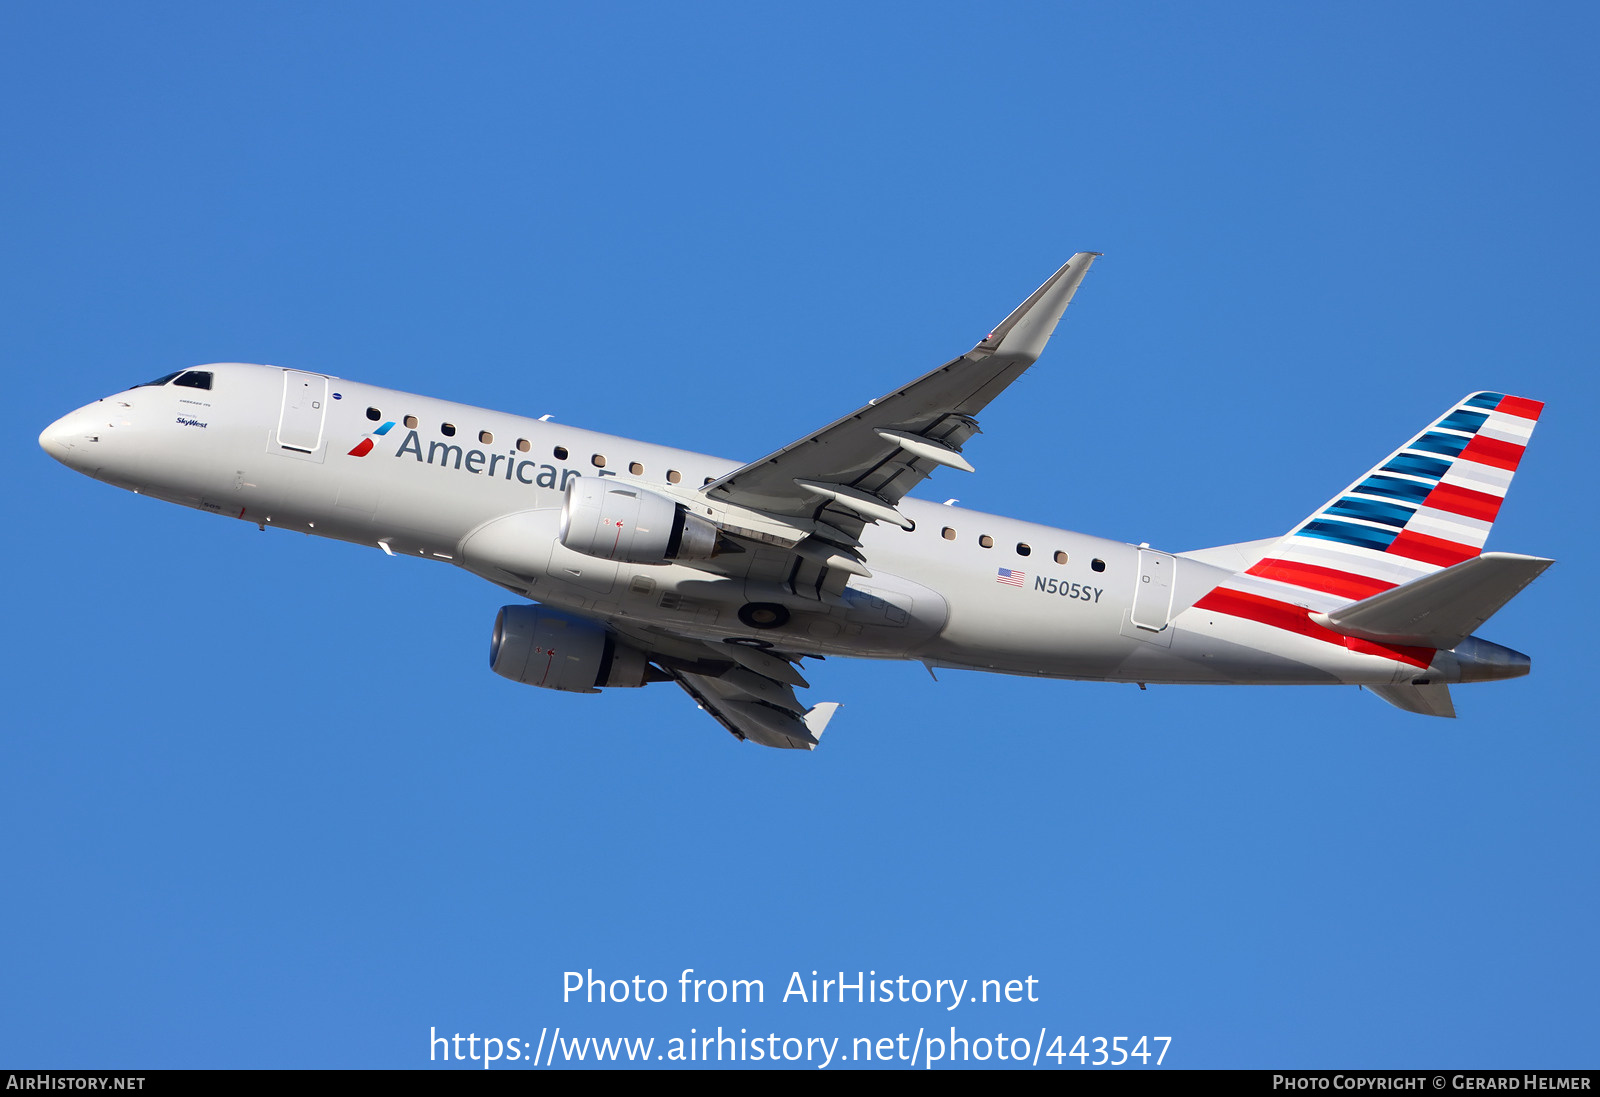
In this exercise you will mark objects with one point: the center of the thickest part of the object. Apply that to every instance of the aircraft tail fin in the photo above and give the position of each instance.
(1432, 699)
(1427, 507)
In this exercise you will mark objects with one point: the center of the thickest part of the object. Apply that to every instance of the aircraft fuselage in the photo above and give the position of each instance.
(484, 490)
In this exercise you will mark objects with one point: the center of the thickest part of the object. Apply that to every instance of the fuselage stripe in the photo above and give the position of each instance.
(1297, 619)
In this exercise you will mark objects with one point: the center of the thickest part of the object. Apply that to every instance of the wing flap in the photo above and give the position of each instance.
(754, 715)
(767, 664)
(750, 691)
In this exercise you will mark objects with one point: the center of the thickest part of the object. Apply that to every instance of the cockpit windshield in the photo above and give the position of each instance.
(157, 381)
(185, 378)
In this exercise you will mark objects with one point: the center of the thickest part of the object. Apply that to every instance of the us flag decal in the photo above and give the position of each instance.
(1010, 577)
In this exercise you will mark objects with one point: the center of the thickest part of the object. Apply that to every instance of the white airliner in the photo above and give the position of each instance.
(653, 564)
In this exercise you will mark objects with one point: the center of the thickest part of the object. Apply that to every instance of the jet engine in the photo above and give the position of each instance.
(616, 520)
(544, 647)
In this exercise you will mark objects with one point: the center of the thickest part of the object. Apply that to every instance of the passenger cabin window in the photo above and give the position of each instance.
(411, 422)
(599, 460)
(986, 541)
(635, 468)
(374, 414)
(195, 379)
(1061, 557)
(447, 429)
(1024, 549)
(949, 534)
(673, 476)
(486, 437)
(560, 453)
(523, 445)
(1098, 565)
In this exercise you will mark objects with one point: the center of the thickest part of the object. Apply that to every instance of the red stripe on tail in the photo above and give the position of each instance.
(1430, 550)
(1315, 577)
(1464, 501)
(1516, 405)
(1492, 451)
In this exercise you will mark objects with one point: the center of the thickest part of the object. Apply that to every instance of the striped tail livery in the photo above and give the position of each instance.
(1394, 564)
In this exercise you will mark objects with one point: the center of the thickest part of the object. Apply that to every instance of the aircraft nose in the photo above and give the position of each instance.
(68, 439)
(53, 439)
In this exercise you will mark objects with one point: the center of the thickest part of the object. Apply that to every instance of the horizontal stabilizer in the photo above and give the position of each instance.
(1432, 699)
(1438, 610)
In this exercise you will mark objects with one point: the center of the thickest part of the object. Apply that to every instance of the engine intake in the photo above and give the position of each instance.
(538, 646)
(616, 520)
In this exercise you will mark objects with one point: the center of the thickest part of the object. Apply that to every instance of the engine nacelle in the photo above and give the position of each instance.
(616, 520)
(544, 647)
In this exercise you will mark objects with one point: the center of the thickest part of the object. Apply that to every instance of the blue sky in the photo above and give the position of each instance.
(265, 804)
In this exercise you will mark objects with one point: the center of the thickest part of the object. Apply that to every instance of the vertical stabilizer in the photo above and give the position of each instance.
(1426, 507)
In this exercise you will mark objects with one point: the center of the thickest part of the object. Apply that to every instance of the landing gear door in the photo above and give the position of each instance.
(305, 405)
(1152, 597)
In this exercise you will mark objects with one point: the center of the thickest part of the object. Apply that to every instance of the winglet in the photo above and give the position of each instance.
(817, 717)
(1024, 333)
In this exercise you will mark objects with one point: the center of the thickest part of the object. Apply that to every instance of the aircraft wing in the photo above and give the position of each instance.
(758, 709)
(857, 469)
(748, 690)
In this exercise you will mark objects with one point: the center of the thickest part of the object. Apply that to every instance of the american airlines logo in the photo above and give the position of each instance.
(510, 465)
(364, 446)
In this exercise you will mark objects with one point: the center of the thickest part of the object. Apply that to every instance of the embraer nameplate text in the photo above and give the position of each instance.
(648, 564)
